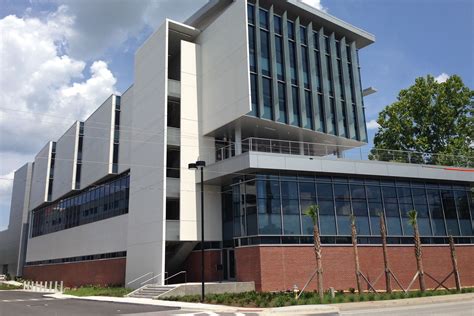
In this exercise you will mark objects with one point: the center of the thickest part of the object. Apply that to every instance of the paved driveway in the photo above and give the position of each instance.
(16, 303)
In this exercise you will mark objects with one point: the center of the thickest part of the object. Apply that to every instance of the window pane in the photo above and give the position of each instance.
(450, 215)
(263, 19)
(437, 218)
(463, 212)
(265, 53)
(343, 211)
(341, 191)
(267, 99)
(307, 191)
(277, 24)
(268, 189)
(309, 110)
(279, 58)
(326, 218)
(282, 102)
(289, 189)
(296, 107)
(254, 94)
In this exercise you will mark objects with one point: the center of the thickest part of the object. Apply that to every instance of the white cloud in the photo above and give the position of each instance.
(46, 87)
(316, 4)
(100, 25)
(372, 124)
(442, 78)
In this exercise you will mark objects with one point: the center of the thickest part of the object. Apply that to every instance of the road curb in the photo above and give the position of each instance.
(406, 301)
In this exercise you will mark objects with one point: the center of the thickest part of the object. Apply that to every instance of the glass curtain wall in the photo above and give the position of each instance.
(94, 204)
(282, 51)
(274, 205)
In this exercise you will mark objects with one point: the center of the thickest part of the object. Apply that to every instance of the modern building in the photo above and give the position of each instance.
(268, 93)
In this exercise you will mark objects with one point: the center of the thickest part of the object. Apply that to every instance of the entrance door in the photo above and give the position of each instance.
(229, 264)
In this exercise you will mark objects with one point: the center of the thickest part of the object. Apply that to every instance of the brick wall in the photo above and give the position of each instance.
(279, 268)
(103, 272)
(193, 266)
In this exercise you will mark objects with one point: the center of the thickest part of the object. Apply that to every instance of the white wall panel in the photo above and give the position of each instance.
(146, 233)
(40, 179)
(126, 105)
(97, 147)
(10, 239)
(224, 71)
(109, 235)
(65, 163)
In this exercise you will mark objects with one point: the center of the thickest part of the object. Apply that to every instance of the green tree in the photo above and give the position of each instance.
(428, 117)
(412, 219)
(313, 212)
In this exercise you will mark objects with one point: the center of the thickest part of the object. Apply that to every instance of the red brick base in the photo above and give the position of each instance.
(101, 272)
(211, 259)
(276, 268)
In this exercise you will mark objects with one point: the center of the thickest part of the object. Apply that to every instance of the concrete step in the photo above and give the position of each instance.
(151, 291)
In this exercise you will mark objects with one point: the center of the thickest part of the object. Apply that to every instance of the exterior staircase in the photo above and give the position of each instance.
(151, 291)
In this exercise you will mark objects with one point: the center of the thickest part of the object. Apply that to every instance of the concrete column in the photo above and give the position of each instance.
(238, 140)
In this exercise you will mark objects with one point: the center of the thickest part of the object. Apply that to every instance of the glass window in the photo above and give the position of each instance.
(437, 218)
(277, 24)
(309, 110)
(289, 190)
(305, 66)
(307, 191)
(251, 13)
(296, 107)
(341, 192)
(291, 217)
(303, 35)
(291, 30)
(362, 219)
(264, 21)
(279, 58)
(327, 220)
(254, 94)
(265, 53)
(462, 206)
(252, 54)
(318, 71)
(375, 210)
(282, 102)
(267, 99)
(268, 189)
(269, 218)
(343, 211)
(450, 215)
(293, 70)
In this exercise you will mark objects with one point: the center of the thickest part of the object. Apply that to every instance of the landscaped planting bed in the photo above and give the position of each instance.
(279, 299)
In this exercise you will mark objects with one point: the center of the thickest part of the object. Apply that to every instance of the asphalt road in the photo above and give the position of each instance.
(15, 303)
(434, 309)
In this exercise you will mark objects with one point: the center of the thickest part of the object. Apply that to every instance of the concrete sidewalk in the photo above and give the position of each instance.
(289, 310)
(406, 302)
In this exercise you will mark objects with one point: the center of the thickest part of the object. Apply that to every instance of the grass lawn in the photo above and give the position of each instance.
(98, 291)
(9, 287)
(266, 299)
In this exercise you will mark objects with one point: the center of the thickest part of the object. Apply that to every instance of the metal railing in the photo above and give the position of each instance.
(140, 277)
(152, 278)
(176, 274)
(332, 151)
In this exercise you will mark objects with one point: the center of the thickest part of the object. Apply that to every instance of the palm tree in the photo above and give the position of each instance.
(356, 253)
(313, 212)
(416, 236)
(383, 235)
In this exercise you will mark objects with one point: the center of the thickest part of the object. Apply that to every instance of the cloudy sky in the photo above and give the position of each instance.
(60, 59)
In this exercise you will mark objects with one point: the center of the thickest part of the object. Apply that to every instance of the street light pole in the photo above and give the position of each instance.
(200, 165)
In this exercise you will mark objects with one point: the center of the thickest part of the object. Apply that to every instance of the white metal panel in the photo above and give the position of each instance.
(97, 146)
(126, 105)
(146, 224)
(189, 150)
(65, 162)
(109, 235)
(10, 239)
(224, 72)
(40, 179)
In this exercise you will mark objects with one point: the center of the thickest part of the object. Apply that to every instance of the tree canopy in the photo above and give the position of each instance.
(431, 117)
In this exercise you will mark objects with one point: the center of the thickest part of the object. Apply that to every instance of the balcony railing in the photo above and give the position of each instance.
(331, 151)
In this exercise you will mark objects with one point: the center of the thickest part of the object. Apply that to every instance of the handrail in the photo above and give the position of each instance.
(139, 278)
(176, 274)
(291, 147)
(153, 278)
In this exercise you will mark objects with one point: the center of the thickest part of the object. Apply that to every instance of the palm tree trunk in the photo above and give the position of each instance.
(319, 264)
(454, 259)
(383, 235)
(419, 259)
(356, 256)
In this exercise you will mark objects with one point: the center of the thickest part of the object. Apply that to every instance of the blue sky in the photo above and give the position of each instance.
(413, 38)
